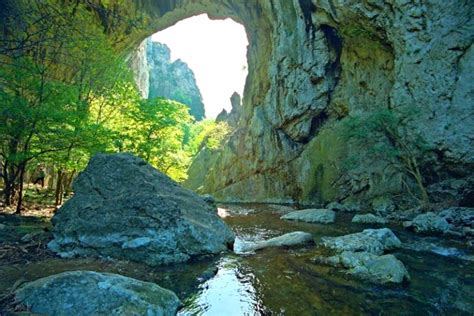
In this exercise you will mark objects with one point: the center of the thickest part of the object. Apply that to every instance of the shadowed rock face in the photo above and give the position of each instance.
(313, 65)
(93, 293)
(123, 208)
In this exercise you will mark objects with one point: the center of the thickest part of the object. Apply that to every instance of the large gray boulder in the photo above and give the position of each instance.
(322, 216)
(123, 208)
(286, 240)
(92, 293)
(374, 241)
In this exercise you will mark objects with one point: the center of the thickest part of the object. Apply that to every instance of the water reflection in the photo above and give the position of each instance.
(230, 292)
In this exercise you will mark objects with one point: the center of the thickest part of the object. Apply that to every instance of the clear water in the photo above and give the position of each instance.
(279, 281)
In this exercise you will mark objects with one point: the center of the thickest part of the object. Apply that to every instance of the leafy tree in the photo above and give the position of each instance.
(50, 67)
(388, 136)
(65, 95)
(208, 133)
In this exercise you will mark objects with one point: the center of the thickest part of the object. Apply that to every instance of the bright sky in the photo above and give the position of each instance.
(216, 52)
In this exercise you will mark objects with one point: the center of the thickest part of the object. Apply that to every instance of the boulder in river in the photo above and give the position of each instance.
(459, 216)
(92, 293)
(379, 269)
(286, 240)
(125, 209)
(349, 207)
(362, 254)
(430, 222)
(369, 219)
(322, 216)
(374, 241)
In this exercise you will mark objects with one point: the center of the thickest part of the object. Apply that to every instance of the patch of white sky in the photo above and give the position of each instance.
(216, 52)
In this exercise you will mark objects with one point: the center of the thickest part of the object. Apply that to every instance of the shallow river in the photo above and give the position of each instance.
(285, 281)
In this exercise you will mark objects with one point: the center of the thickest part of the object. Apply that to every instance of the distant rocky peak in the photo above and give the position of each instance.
(232, 117)
(157, 76)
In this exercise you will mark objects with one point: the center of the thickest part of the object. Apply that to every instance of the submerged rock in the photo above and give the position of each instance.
(374, 241)
(374, 268)
(322, 216)
(123, 208)
(430, 222)
(286, 240)
(92, 293)
(369, 219)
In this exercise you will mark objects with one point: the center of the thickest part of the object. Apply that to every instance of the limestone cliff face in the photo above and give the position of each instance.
(328, 61)
(157, 76)
(314, 64)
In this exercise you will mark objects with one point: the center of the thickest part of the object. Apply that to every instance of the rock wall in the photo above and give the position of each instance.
(330, 61)
(157, 76)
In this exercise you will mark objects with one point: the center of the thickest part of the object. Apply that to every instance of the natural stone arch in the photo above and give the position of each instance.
(311, 63)
(150, 17)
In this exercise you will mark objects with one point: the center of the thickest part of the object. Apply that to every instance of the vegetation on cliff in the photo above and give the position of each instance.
(388, 139)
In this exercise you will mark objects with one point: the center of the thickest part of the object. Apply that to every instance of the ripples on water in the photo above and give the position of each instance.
(283, 281)
(230, 292)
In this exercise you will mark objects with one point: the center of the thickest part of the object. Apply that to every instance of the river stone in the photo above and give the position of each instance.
(322, 216)
(458, 216)
(430, 222)
(92, 293)
(125, 209)
(374, 241)
(349, 207)
(378, 269)
(286, 240)
(369, 219)
(383, 205)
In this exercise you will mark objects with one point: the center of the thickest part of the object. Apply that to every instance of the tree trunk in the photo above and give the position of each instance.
(58, 188)
(9, 179)
(68, 183)
(21, 179)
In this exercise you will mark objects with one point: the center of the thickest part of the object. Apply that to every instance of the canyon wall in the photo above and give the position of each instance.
(329, 61)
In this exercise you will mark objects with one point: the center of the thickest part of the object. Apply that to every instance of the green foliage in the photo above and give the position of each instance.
(387, 136)
(66, 95)
(208, 133)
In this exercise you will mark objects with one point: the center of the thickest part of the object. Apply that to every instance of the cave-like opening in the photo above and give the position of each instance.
(199, 62)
